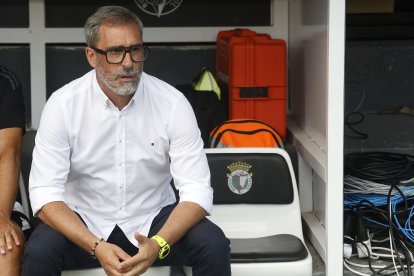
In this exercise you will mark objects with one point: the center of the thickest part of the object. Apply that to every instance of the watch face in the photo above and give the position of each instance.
(164, 251)
(158, 7)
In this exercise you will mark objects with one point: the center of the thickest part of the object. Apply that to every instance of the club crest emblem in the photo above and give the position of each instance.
(158, 7)
(239, 179)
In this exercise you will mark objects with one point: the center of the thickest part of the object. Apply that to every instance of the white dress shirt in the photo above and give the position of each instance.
(114, 167)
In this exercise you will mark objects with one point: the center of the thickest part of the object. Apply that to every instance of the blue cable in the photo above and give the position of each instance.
(354, 199)
(351, 201)
(376, 222)
(407, 230)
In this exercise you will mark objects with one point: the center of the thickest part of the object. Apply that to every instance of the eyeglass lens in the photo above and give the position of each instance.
(117, 55)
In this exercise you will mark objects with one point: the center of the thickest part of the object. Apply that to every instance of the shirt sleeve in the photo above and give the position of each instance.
(189, 166)
(51, 157)
(12, 111)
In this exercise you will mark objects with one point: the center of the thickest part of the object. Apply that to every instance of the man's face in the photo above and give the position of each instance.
(122, 78)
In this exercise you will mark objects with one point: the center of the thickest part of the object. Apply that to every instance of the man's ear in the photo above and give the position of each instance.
(91, 56)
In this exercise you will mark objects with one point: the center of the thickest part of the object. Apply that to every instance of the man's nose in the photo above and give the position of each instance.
(127, 62)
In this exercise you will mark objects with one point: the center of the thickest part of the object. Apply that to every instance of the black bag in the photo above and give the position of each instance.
(209, 110)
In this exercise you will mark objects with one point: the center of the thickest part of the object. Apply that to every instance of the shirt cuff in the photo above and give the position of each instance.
(39, 197)
(203, 196)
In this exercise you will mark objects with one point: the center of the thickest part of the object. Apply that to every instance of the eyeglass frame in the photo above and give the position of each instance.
(126, 50)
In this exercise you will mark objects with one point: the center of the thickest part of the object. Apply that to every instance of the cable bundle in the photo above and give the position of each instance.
(358, 190)
(381, 167)
(379, 192)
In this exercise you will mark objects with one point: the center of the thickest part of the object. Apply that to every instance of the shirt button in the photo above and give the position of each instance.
(120, 164)
(120, 140)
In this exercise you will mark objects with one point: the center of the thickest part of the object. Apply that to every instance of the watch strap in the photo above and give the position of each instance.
(164, 246)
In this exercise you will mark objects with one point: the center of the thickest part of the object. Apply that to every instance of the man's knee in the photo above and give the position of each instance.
(10, 263)
(218, 245)
(213, 243)
(210, 250)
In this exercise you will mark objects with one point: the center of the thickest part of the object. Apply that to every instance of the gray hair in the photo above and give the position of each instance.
(116, 15)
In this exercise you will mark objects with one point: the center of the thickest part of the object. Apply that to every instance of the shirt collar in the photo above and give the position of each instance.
(102, 98)
(140, 90)
(105, 101)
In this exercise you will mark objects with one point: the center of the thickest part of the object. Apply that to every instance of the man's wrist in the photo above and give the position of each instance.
(93, 249)
(164, 247)
(4, 216)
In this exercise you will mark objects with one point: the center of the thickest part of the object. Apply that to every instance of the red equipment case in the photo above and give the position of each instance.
(251, 72)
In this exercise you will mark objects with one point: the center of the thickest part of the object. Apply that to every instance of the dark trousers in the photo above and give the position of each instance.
(204, 248)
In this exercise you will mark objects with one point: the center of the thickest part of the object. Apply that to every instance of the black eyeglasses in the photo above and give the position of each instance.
(116, 55)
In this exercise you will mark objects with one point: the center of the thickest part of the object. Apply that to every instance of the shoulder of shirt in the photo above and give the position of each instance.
(9, 76)
(160, 88)
(75, 88)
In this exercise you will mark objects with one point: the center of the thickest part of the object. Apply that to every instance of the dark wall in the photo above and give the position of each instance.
(379, 75)
(175, 64)
(189, 14)
(8, 11)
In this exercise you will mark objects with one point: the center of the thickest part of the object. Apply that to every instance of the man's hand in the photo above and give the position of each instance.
(8, 236)
(147, 254)
(111, 256)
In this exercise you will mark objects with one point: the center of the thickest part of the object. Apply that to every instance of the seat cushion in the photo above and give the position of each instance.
(276, 248)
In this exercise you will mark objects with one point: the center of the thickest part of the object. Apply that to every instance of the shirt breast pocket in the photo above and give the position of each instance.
(159, 146)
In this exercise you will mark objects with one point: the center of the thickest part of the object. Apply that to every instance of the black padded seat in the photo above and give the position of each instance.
(276, 248)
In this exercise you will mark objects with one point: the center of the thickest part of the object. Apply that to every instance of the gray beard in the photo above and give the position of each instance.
(125, 90)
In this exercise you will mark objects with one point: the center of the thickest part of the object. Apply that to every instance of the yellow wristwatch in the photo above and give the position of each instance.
(164, 247)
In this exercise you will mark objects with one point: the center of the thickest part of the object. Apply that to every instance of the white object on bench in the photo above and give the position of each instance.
(261, 216)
